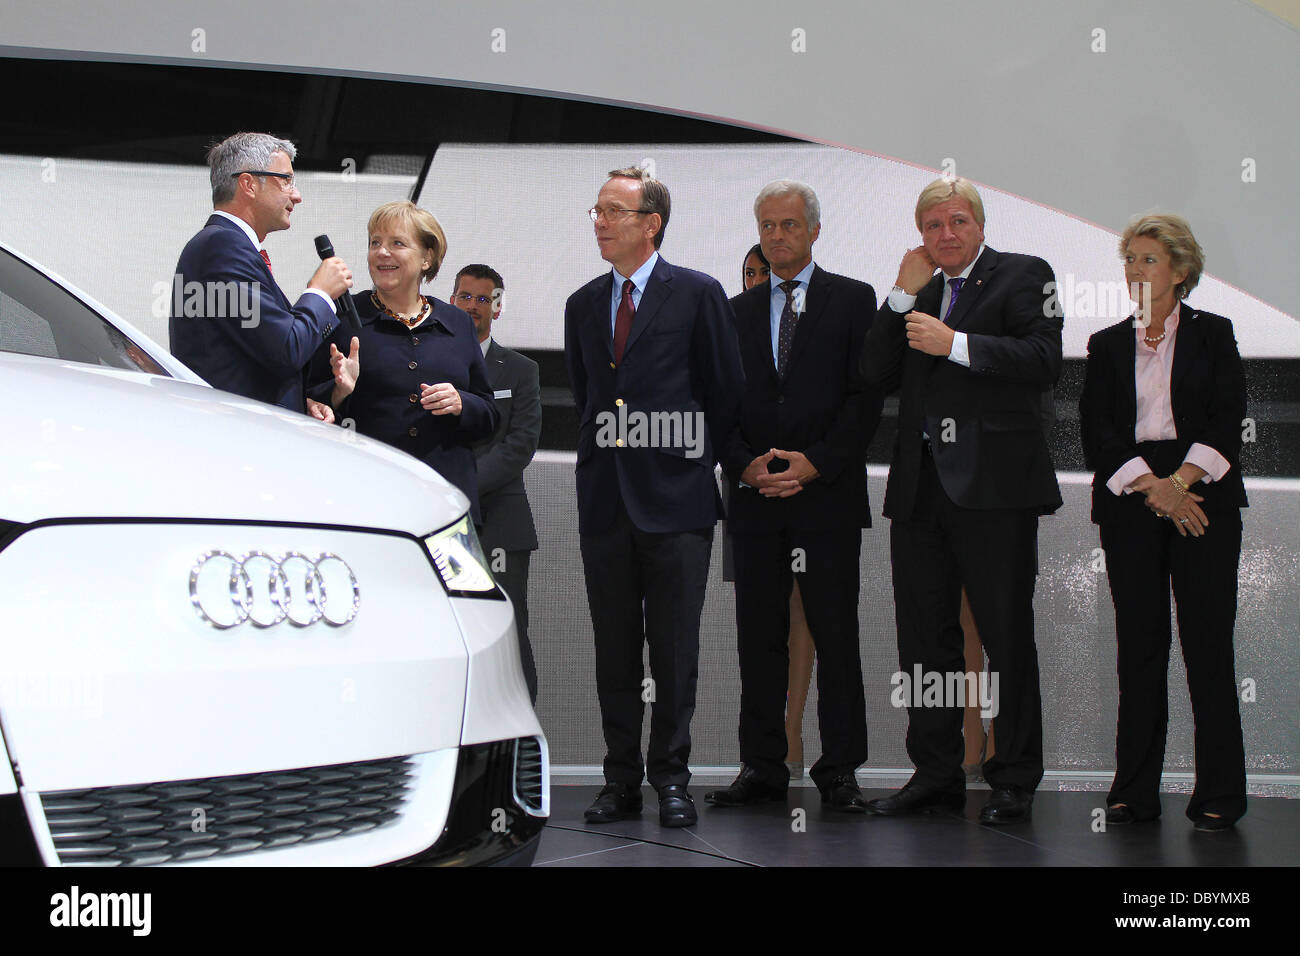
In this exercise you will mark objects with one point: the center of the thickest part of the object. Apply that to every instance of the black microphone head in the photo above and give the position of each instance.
(324, 247)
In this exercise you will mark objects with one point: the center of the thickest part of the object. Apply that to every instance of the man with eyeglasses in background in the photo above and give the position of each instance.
(230, 321)
(647, 342)
(507, 533)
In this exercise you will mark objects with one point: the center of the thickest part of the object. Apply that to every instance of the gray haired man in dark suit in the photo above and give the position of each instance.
(507, 534)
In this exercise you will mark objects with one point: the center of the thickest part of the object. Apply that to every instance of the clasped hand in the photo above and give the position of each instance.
(1166, 501)
(440, 399)
(780, 484)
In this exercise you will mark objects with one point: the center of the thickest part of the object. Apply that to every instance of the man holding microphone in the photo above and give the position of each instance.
(230, 321)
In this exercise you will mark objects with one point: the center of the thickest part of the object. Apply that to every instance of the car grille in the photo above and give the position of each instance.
(194, 819)
(528, 774)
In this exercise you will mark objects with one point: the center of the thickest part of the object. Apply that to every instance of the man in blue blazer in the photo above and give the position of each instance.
(229, 320)
(656, 375)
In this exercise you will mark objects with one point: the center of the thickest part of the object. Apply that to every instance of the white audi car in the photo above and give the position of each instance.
(233, 635)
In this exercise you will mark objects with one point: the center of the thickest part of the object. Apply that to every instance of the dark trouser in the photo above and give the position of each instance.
(513, 579)
(645, 587)
(1143, 554)
(828, 584)
(993, 553)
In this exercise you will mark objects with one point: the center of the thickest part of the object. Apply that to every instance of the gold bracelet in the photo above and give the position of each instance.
(1179, 483)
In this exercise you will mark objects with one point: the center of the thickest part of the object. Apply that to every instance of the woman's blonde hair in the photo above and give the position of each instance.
(1174, 233)
(421, 222)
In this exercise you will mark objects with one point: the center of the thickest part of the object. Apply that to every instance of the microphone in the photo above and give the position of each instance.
(347, 308)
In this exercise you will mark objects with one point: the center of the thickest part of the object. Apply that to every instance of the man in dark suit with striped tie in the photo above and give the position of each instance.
(507, 533)
(229, 320)
(798, 471)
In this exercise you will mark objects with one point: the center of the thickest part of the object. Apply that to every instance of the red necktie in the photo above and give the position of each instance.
(623, 320)
(267, 259)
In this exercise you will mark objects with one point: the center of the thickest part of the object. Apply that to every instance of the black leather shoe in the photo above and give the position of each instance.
(676, 808)
(1008, 805)
(1208, 824)
(747, 788)
(1120, 814)
(843, 794)
(616, 801)
(917, 798)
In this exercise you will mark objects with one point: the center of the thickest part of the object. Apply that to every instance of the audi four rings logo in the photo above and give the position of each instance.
(266, 589)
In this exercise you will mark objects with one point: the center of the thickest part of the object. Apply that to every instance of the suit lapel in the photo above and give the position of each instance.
(819, 292)
(755, 326)
(259, 263)
(928, 301)
(1126, 369)
(1186, 344)
(224, 223)
(656, 293)
(930, 298)
(496, 365)
(972, 288)
(600, 310)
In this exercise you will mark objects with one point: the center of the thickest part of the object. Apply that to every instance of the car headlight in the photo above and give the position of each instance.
(460, 561)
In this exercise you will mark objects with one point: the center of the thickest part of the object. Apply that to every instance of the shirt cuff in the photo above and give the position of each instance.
(1128, 472)
(334, 308)
(960, 353)
(1206, 458)
(900, 301)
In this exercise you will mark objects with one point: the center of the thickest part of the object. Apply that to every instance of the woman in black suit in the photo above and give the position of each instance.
(414, 375)
(1163, 401)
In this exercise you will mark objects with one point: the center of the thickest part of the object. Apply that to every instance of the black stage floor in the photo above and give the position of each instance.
(1061, 834)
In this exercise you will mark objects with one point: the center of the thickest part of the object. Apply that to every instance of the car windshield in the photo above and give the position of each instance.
(40, 317)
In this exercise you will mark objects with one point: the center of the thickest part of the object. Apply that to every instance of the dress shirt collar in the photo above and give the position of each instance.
(485, 345)
(1171, 326)
(247, 229)
(640, 277)
(803, 278)
(965, 273)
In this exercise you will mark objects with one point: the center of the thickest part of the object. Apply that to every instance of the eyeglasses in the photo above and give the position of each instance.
(286, 179)
(480, 299)
(615, 213)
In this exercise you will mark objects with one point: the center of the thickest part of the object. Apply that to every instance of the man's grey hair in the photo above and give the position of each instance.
(239, 153)
(792, 187)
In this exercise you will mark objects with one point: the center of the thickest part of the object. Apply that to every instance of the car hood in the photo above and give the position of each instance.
(83, 441)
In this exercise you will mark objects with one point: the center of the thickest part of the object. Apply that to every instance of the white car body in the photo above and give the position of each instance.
(114, 485)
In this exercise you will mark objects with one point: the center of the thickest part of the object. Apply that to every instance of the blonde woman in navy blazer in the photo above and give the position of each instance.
(413, 376)
(1162, 407)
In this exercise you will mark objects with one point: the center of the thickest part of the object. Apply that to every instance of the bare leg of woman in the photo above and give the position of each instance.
(978, 747)
(802, 654)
